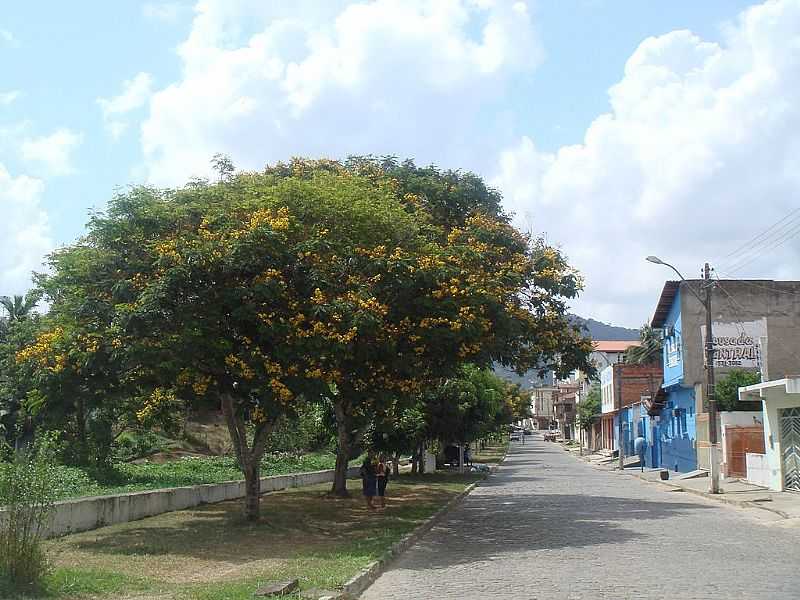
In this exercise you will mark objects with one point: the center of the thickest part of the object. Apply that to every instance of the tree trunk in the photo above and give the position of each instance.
(396, 465)
(80, 429)
(249, 459)
(252, 494)
(344, 424)
(421, 455)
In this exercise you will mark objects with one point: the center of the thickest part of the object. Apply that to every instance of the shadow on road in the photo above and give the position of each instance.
(500, 524)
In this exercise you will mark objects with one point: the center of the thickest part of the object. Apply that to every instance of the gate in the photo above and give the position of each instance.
(740, 441)
(790, 447)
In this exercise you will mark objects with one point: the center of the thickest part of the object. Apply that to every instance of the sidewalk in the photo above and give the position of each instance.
(734, 491)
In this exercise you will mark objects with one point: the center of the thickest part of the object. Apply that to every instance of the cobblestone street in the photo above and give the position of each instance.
(550, 526)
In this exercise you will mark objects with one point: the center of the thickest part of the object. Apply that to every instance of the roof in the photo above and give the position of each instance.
(614, 345)
(665, 303)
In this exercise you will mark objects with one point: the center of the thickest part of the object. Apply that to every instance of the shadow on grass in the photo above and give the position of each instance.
(295, 524)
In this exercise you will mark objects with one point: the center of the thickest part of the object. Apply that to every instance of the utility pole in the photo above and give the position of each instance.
(709, 353)
(617, 370)
(712, 402)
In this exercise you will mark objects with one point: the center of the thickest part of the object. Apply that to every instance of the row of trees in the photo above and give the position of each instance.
(367, 284)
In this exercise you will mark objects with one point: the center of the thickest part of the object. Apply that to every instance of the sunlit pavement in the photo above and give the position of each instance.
(550, 526)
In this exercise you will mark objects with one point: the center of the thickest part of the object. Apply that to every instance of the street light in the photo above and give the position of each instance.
(713, 487)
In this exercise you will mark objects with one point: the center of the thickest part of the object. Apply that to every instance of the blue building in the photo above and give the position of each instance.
(671, 422)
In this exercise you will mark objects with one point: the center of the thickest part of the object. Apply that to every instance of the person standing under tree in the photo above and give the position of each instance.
(382, 475)
(369, 481)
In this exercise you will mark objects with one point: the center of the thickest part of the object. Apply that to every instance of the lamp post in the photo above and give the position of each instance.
(713, 487)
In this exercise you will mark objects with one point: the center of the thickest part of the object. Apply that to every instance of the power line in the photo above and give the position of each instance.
(762, 234)
(776, 242)
(760, 286)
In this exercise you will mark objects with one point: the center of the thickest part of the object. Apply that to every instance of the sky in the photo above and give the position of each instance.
(617, 129)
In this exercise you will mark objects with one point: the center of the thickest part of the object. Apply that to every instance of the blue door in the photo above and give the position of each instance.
(655, 447)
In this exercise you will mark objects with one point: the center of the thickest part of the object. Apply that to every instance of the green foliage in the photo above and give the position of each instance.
(470, 406)
(588, 410)
(360, 282)
(29, 487)
(138, 443)
(649, 352)
(310, 428)
(76, 482)
(89, 583)
(726, 389)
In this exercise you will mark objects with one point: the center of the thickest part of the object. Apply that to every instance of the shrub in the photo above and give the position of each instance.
(29, 487)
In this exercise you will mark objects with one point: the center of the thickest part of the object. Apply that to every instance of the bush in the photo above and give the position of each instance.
(29, 487)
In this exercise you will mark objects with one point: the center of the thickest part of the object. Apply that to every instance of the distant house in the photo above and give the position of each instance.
(605, 354)
(625, 392)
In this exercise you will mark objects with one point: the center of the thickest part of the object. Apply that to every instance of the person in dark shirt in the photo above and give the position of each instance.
(369, 481)
(382, 475)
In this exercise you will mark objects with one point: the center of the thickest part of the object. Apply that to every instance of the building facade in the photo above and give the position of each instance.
(753, 320)
(542, 399)
(625, 392)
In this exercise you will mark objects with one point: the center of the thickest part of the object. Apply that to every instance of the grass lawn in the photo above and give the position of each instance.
(209, 553)
(134, 477)
(494, 452)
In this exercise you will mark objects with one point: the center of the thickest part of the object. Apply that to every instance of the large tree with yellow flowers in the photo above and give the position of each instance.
(266, 290)
(476, 291)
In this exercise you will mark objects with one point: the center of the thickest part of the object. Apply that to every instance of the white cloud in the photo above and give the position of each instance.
(135, 94)
(24, 231)
(266, 81)
(163, 11)
(7, 98)
(699, 153)
(9, 38)
(53, 151)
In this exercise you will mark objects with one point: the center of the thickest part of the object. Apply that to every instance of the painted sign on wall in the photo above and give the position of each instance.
(737, 344)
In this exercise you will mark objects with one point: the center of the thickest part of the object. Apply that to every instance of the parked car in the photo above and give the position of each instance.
(550, 436)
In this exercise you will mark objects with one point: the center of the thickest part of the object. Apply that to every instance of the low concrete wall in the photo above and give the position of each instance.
(758, 469)
(83, 514)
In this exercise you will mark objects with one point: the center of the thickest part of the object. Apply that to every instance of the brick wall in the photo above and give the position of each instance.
(636, 381)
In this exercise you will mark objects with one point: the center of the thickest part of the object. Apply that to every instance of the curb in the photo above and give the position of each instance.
(359, 583)
(702, 494)
(730, 501)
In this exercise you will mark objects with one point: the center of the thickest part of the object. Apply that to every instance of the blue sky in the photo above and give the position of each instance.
(517, 91)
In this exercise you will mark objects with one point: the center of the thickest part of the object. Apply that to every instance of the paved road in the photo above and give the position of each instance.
(550, 526)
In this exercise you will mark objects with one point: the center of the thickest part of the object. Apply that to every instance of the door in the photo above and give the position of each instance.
(790, 447)
(740, 441)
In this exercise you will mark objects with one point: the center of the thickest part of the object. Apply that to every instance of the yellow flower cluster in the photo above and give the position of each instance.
(329, 332)
(42, 351)
(430, 262)
(429, 322)
(154, 402)
(280, 390)
(277, 220)
(268, 275)
(237, 364)
(168, 249)
(201, 384)
(371, 304)
(318, 297)
(467, 349)
(90, 344)
(376, 252)
(272, 368)
(332, 376)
